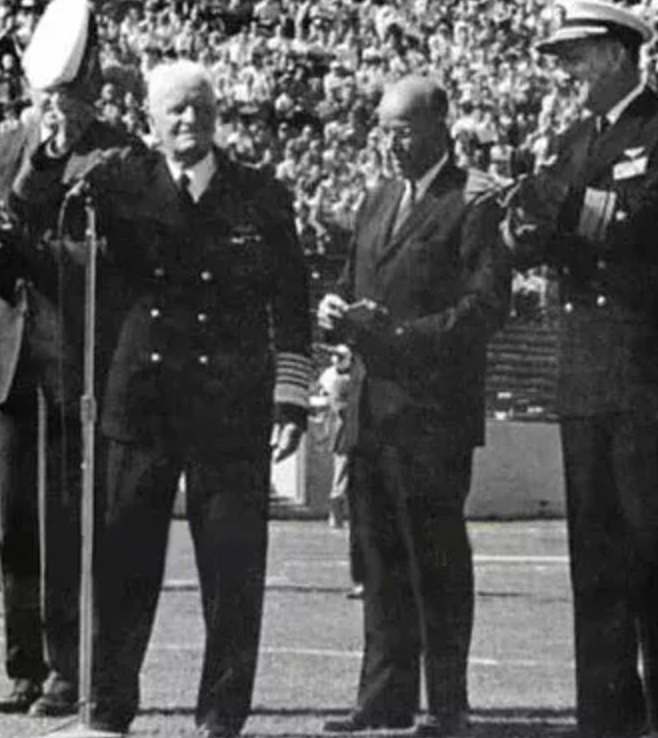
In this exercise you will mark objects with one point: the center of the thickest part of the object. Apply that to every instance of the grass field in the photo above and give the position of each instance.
(521, 670)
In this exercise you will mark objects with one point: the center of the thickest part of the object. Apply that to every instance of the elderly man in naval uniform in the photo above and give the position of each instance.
(210, 377)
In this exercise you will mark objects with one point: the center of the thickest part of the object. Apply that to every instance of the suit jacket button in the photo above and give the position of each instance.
(156, 357)
(568, 307)
(602, 264)
(206, 276)
(202, 317)
(621, 215)
(156, 313)
(601, 301)
(159, 272)
(203, 360)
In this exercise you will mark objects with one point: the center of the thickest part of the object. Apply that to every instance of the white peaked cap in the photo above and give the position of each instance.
(581, 19)
(58, 44)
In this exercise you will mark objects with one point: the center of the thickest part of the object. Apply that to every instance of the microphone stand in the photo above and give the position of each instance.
(88, 413)
(88, 424)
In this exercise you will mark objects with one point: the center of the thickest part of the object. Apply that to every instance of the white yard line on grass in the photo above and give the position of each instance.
(351, 654)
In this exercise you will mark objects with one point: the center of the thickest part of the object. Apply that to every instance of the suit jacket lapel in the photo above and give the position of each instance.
(423, 211)
(383, 236)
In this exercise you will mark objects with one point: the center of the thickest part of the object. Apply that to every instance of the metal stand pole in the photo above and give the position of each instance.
(88, 418)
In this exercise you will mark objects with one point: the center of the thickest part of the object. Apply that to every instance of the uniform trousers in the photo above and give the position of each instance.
(227, 509)
(418, 575)
(41, 607)
(611, 467)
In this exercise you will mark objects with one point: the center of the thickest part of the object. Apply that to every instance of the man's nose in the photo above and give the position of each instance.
(189, 114)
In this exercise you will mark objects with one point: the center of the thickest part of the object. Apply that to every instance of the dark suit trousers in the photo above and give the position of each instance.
(227, 505)
(20, 547)
(611, 465)
(418, 577)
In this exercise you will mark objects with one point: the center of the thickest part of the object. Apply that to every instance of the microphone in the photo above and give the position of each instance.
(83, 185)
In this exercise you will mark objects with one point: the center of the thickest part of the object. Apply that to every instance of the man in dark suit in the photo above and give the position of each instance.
(41, 309)
(593, 214)
(424, 288)
(210, 377)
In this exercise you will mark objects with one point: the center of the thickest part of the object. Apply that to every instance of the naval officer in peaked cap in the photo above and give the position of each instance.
(593, 213)
(41, 334)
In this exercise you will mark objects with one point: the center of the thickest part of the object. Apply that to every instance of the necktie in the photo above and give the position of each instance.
(184, 191)
(407, 202)
(602, 124)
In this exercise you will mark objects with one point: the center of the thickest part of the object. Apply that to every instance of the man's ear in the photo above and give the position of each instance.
(152, 129)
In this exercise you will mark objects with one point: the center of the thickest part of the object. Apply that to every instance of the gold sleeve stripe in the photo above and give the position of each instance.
(293, 379)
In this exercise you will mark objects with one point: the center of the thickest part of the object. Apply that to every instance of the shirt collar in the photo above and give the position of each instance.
(615, 113)
(423, 183)
(199, 174)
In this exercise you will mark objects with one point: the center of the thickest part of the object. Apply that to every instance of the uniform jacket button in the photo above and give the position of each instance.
(202, 317)
(601, 301)
(602, 264)
(156, 312)
(203, 360)
(621, 215)
(156, 357)
(206, 275)
(568, 307)
(159, 272)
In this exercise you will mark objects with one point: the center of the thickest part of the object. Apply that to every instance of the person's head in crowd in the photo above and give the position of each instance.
(8, 63)
(412, 114)
(598, 44)
(182, 110)
(108, 92)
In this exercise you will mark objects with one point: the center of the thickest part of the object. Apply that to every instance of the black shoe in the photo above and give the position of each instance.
(108, 727)
(356, 593)
(443, 726)
(218, 730)
(357, 721)
(23, 695)
(59, 698)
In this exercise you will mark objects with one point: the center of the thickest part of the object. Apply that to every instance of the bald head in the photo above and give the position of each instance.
(414, 97)
(183, 110)
(413, 112)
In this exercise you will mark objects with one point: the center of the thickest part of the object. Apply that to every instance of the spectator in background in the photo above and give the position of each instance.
(334, 384)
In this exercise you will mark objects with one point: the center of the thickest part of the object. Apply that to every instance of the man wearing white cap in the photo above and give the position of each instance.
(592, 212)
(41, 606)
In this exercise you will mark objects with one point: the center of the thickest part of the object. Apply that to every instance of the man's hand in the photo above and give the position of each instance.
(285, 440)
(65, 118)
(331, 312)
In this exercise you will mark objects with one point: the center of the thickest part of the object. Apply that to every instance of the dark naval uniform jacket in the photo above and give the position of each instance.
(608, 346)
(211, 301)
(42, 285)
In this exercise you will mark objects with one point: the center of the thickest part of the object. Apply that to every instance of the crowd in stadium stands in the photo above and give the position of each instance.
(299, 80)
